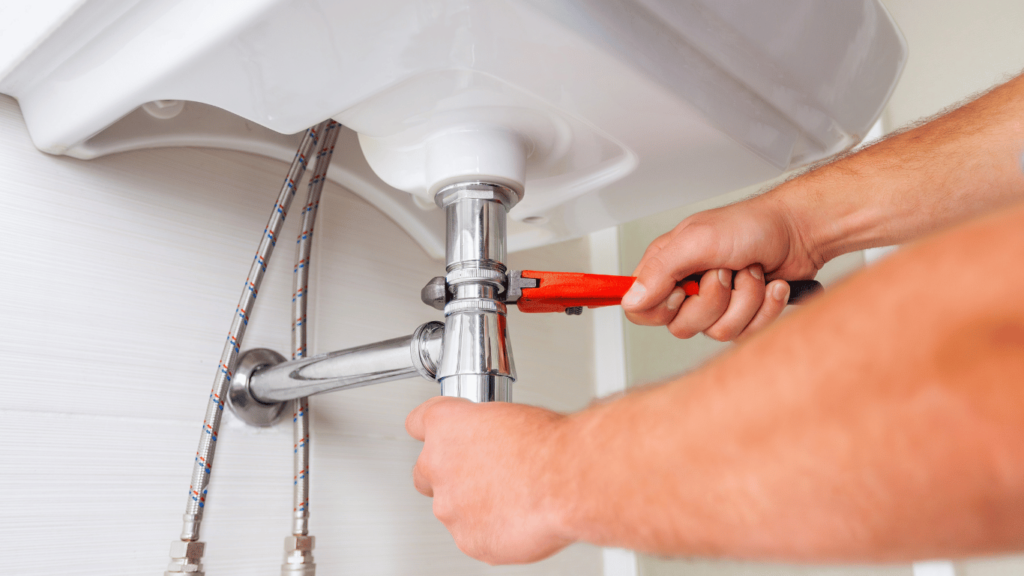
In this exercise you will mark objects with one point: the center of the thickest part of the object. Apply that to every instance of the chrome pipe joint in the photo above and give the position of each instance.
(478, 361)
(263, 383)
(470, 355)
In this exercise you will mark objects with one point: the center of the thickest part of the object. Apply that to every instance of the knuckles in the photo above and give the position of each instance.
(474, 548)
(681, 332)
(420, 480)
(720, 334)
(701, 235)
(443, 511)
(657, 316)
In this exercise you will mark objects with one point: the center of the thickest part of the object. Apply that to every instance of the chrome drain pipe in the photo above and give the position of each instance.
(478, 364)
(263, 383)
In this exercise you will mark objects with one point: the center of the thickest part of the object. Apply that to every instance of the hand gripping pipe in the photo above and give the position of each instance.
(298, 560)
(186, 554)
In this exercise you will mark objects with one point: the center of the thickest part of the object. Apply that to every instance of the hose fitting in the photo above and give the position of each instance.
(298, 556)
(186, 558)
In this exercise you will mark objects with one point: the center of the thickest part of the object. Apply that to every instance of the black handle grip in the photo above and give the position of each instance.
(800, 290)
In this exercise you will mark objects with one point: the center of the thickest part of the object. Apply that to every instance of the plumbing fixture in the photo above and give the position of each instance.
(470, 355)
(298, 558)
(464, 118)
(186, 559)
(264, 382)
(626, 107)
(478, 364)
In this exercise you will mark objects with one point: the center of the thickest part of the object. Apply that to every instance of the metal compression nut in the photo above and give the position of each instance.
(474, 305)
(477, 191)
(298, 556)
(186, 558)
(476, 274)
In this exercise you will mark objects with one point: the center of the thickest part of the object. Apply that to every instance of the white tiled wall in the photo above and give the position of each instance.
(118, 278)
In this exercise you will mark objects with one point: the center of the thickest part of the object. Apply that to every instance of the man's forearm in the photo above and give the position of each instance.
(960, 165)
(882, 422)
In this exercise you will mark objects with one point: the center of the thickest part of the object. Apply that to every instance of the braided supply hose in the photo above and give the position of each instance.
(298, 547)
(215, 408)
(300, 299)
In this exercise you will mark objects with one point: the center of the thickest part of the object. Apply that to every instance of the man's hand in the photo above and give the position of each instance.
(757, 238)
(958, 166)
(881, 423)
(492, 471)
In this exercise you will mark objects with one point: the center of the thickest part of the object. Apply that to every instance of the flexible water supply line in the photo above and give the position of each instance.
(300, 299)
(214, 410)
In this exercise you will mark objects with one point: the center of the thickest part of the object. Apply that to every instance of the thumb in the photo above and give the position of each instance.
(654, 283)
(418, 420)
(696, 247)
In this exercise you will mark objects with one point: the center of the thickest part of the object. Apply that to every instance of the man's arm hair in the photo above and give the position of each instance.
(962, 162)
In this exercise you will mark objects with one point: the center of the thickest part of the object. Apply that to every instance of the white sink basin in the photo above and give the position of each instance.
(602, 110)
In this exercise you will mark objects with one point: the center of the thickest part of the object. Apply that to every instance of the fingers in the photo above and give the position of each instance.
(726, 307)
(655, 306)
(699, 312)
(471, 448)
(776, 296)
(662, 313)
(747, 295)
(417, 424)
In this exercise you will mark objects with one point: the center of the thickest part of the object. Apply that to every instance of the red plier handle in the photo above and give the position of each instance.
(558, 291)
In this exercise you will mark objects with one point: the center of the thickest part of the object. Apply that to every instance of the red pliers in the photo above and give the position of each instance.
(569, 292)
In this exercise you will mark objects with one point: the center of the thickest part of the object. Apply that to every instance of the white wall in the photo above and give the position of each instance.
(118, 279)
(957, 49)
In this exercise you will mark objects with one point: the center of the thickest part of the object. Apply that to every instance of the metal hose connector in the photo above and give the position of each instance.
(211, 426)
(294, 554)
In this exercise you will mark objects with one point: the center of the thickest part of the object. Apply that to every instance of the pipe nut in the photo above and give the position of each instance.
(477, 275)
(298, 556)
(478, 191)
(475, 305)
(299, 543)
(186, 558)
